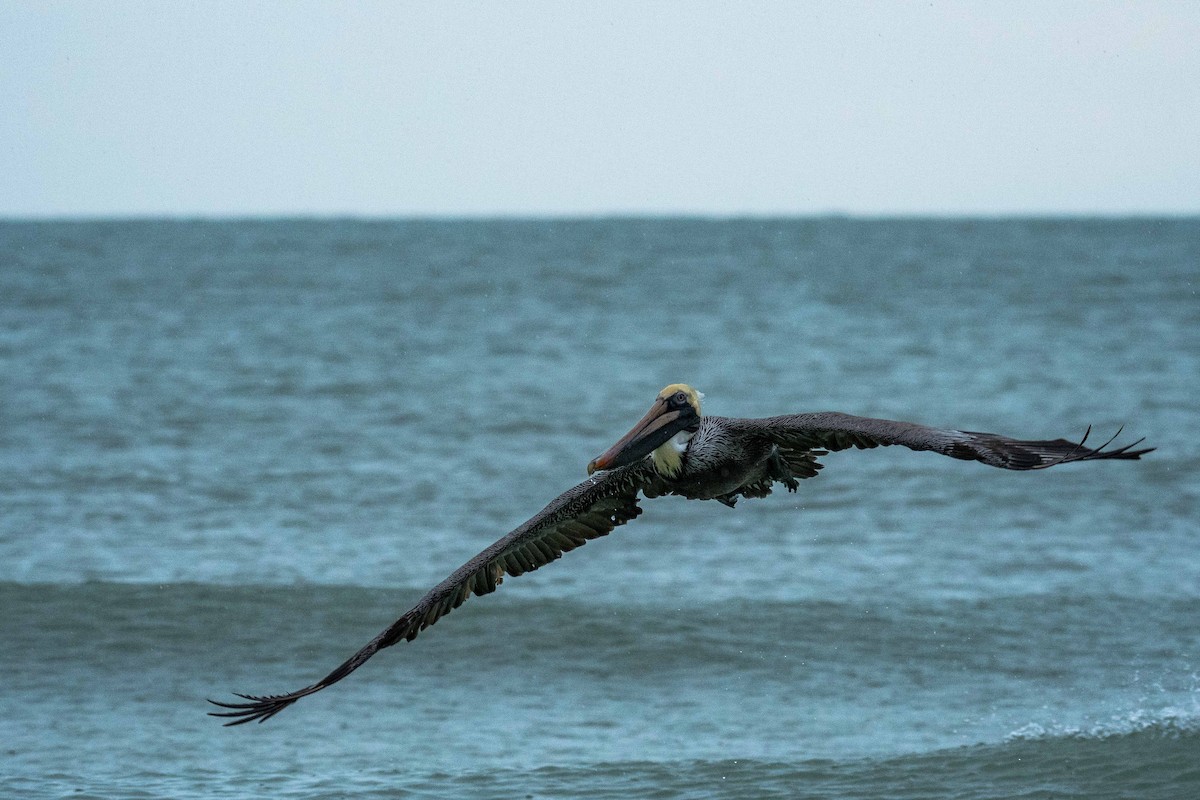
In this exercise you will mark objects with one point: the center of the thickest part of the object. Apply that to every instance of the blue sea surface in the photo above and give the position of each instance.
(231, 452)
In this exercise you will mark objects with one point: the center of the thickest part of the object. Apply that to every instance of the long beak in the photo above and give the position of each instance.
(658, 426)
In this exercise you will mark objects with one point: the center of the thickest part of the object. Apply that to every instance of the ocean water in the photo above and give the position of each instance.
(233, 451)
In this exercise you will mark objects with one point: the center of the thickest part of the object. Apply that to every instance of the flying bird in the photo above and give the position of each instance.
(674, 450)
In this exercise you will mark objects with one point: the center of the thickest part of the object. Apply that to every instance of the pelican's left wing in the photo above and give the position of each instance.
(587, 511)
(829, 430)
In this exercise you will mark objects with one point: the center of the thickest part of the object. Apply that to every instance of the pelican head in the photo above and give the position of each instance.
(664, 431)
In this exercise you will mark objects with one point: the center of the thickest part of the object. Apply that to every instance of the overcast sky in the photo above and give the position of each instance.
(533, 108)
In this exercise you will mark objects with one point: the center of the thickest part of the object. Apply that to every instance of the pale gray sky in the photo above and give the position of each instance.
(535, 108)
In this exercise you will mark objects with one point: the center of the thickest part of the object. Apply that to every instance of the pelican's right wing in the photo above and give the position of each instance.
(591, 509)
(831, 430)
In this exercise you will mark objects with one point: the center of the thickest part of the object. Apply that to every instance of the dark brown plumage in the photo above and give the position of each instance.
(673, 450)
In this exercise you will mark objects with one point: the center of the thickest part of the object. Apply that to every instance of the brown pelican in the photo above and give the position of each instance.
(674, 450)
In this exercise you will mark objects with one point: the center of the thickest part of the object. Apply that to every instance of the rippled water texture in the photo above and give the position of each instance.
(232, 452)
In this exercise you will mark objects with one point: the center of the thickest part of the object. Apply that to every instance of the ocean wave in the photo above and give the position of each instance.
(1157, 761)
(1171, 722)
(1144, 757)
(1160, 759)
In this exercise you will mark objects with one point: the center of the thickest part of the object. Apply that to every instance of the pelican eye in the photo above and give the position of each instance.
(680, 399)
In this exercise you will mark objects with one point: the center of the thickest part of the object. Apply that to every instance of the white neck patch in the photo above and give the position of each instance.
(680, 441)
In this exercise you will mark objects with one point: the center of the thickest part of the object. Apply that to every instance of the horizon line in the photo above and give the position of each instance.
(631, 216)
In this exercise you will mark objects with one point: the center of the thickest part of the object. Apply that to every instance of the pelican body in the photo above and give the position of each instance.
(704, 458)
(675, 450)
